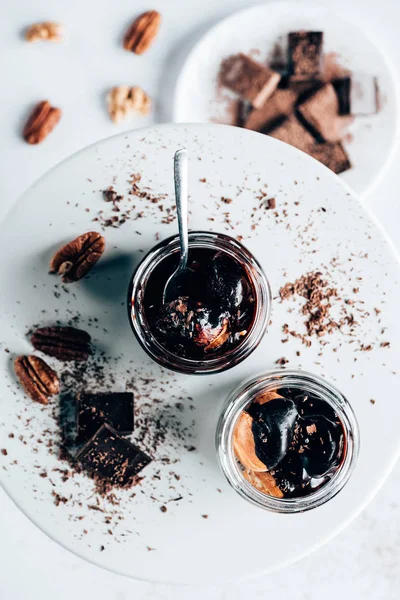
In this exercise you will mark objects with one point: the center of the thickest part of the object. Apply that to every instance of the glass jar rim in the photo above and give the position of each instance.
(254, 271)
(269, 380)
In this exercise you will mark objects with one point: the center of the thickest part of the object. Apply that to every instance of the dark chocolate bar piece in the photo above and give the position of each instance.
(358, 95)
(111, 457)
(321, 113)
(247, 78)
(342, 89)
(305, 54)
(292, 132)
(280, 104)
(333, 156)
(114, 408)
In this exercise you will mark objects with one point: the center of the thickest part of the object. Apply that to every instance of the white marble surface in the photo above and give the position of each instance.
(361, 563)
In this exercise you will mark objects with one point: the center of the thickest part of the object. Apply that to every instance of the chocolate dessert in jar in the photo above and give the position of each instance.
(287, 441)
(213, 324)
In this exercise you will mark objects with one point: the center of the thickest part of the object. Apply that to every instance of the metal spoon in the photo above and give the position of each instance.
(178, 283)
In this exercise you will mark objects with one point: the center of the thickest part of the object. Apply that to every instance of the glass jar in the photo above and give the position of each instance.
(224, 360)
(272, 381)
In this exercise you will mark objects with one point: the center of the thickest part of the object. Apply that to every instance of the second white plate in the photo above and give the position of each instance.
(257, 30)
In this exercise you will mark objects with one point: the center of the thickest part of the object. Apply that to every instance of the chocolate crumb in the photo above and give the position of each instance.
(372, 401)
(4, 452)
(163, 509)
(205, 516)
(282, 361)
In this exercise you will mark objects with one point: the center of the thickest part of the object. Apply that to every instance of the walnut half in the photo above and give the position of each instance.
(124, 101)
(48, 30)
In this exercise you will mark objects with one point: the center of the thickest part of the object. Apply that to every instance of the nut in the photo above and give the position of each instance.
(64, 343)
(142, 33)
(124, 101)
(74, 260)
(48, 30)
(264, 482)
(37, 378)
(220, 339)
(42, 121)
(244, 445)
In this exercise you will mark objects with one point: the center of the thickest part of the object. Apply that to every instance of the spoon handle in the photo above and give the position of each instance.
(181, 196)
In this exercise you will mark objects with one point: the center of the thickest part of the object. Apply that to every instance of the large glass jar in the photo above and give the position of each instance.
(305, 383)
(216, 362)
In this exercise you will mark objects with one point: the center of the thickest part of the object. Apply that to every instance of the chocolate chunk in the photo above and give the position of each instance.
(65, 343)
(358, 94)
(74, 260)
(305, 54)
(37, 378)
(304, 88)
(280, 104)
(114, 408)
(110, 457)
(292, 132)
(321, 113)
(247, 78)
(342, 89)
(332, 155)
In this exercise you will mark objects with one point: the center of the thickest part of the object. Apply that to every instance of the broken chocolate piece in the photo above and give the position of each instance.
(114, 408)
(358, 95)
(247, 78)
(280, 104)
(110, 457)
(321, 113)
(332, 155)
(305, 54)
(292, 132)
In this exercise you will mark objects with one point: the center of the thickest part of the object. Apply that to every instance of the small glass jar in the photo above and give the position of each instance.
(306, 383)
(224, 360)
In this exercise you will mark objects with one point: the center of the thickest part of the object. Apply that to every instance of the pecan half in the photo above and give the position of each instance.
(42, 121)
(74, 260)
(65, 343)
(37, 378)
(142, 33)
(124, 101)
(48, 30)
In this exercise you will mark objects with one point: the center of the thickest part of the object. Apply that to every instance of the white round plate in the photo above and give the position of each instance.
(319, 224)
(257, 30)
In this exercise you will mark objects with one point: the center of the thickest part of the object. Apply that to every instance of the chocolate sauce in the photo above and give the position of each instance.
(299, 438)
(215, 313)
